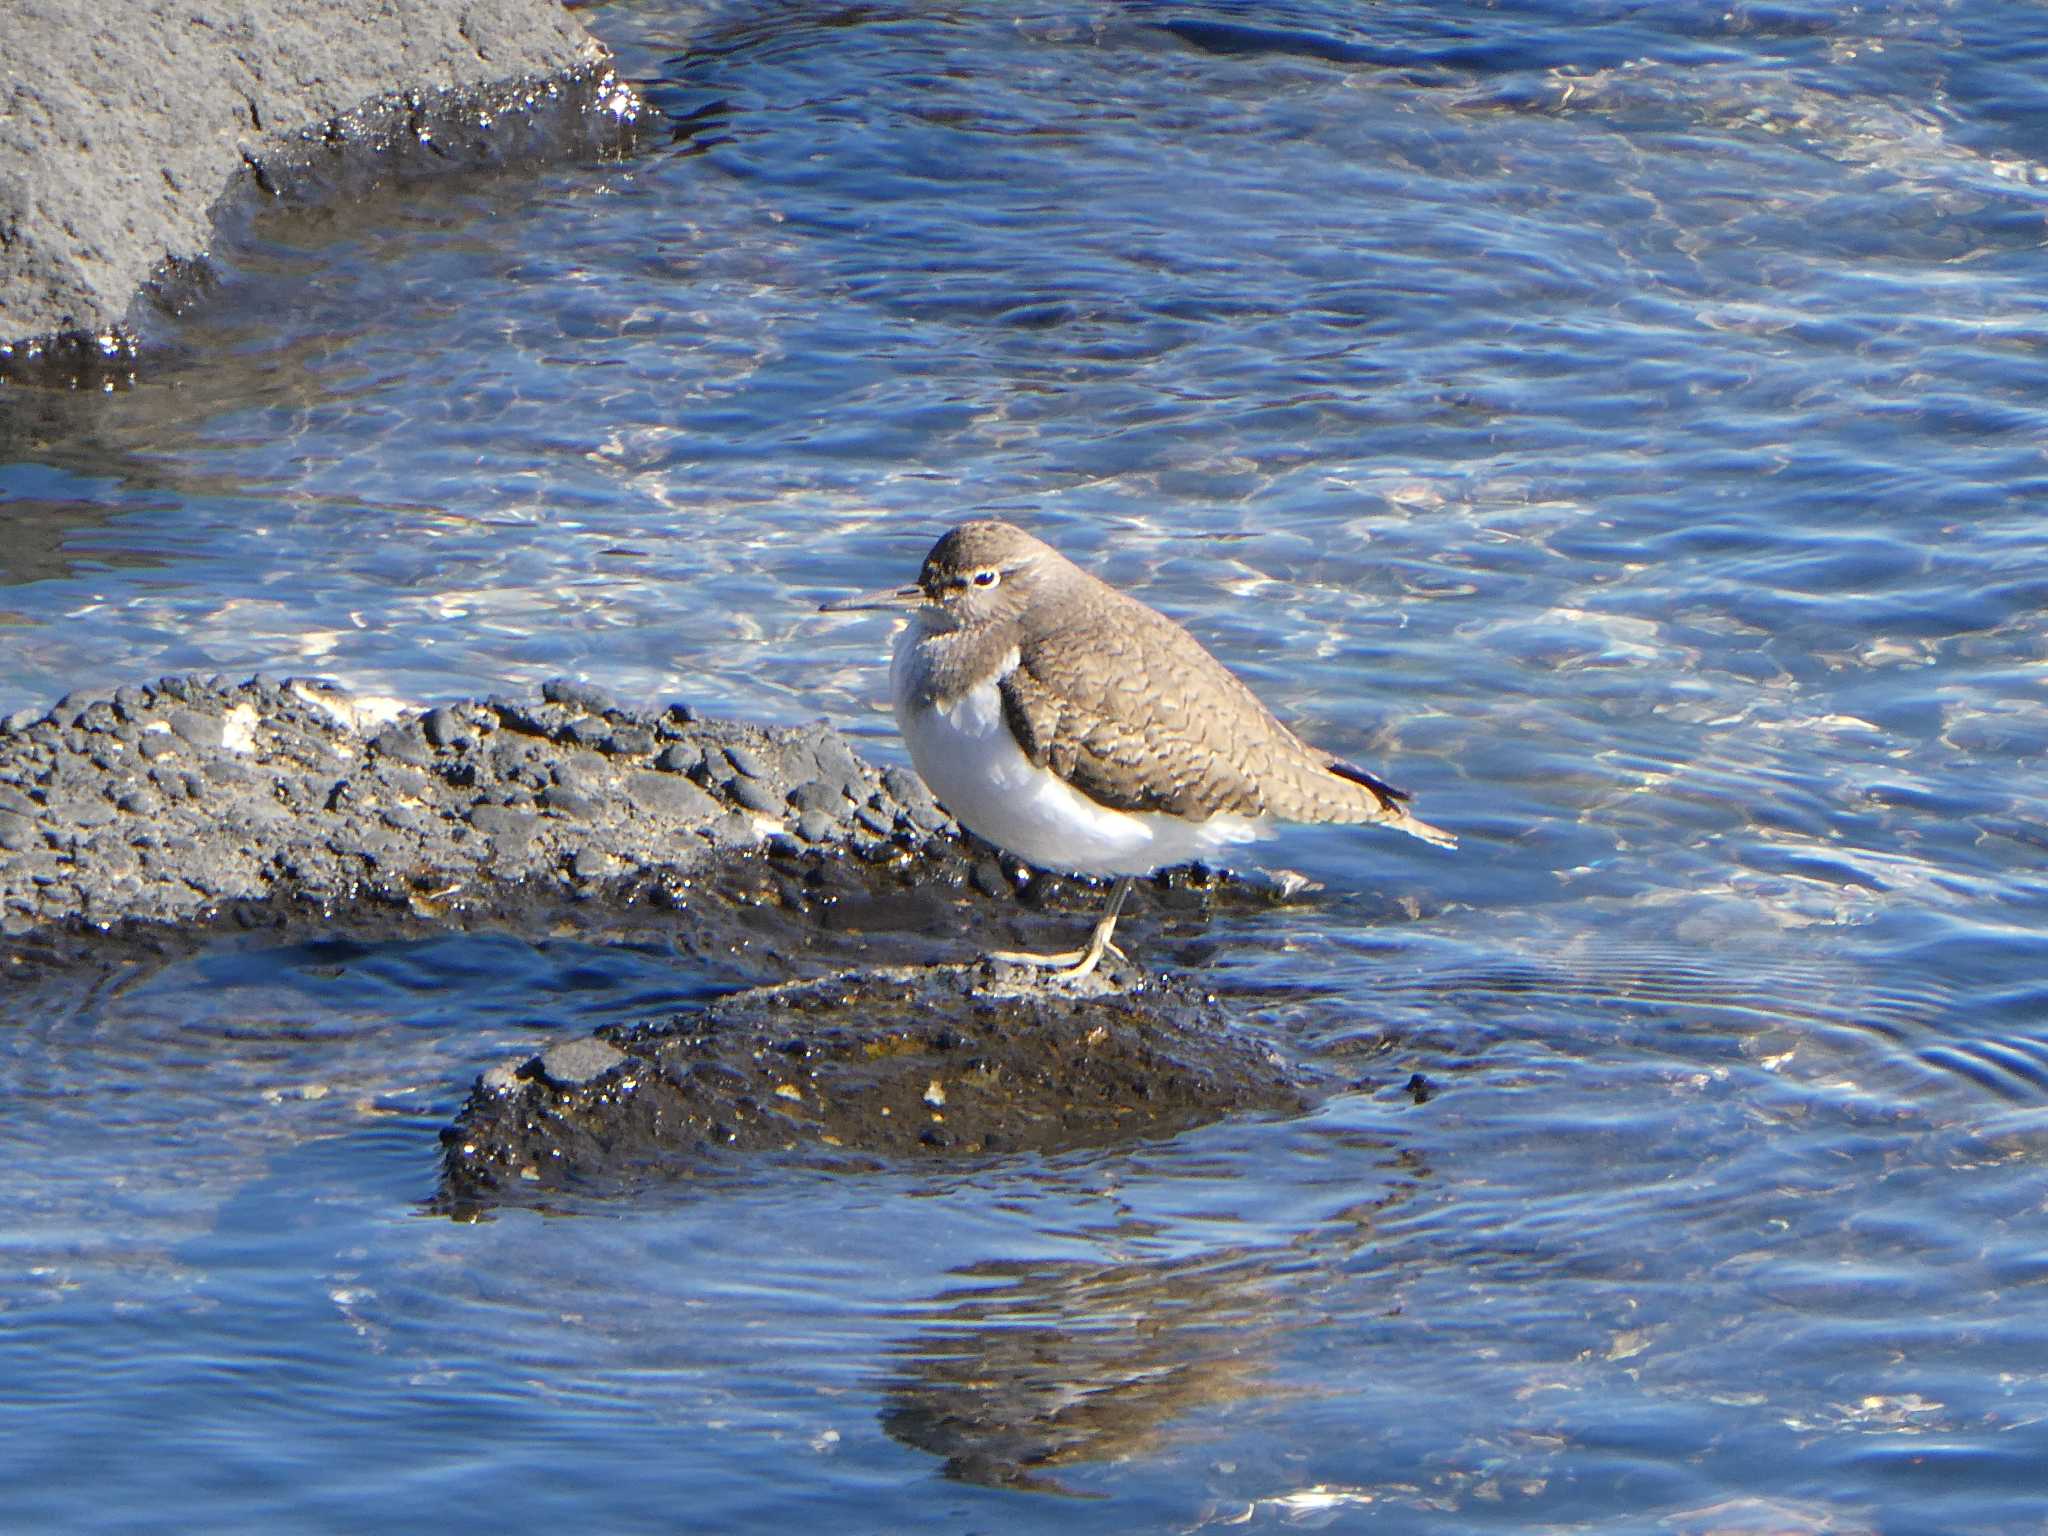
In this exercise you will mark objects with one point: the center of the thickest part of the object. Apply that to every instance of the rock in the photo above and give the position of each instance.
(201, 730)
(908, 1065)
(575, 1062)
(503, 822)
(664, 794)
(577, 695)
(131, 129)
(746, 761)
(565, 801)
(444, 729)
(681, 757)
(630, 741)
(756, 796)
(816, 795)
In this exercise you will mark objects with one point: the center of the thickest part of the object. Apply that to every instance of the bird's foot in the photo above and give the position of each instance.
(1067, 965)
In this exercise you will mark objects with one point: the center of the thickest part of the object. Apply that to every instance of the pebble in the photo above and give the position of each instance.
(756, 796)
(502, 821)
(444, 728)
(630, 741)
(569, 692)
(565, 801)
(200, 730)
(815, 827)
(746, 762)
(401, 742)
(664, 794)
(680, 757)
(817, 795)
(577, 1061)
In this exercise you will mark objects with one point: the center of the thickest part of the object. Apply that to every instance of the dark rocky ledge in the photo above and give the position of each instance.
(164, 803)
(135, 134)
(902, 1064)
(132, 822)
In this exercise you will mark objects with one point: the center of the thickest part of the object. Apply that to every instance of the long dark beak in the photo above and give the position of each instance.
(888, 597)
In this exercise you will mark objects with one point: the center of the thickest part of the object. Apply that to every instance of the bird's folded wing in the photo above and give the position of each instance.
(1135, 740)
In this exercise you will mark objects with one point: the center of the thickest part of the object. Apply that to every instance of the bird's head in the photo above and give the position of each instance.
(979, 574)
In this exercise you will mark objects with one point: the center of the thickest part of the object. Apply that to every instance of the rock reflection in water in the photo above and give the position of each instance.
(1055, 1362)
(1033, 1364)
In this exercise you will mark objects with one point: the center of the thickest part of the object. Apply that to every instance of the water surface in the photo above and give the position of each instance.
(1621, 426)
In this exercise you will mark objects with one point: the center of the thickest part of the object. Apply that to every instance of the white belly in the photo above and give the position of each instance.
(974, 766)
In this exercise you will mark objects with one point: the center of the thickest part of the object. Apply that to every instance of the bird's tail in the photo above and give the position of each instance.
(1394, 805)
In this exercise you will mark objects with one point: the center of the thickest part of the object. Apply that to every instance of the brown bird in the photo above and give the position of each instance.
(1082, 731)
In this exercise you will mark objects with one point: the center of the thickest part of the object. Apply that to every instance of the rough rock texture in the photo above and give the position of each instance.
(130, 126)
(900, 1064)
(164, 803)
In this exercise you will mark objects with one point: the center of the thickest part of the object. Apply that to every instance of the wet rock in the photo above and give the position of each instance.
(681, 757)
(817, 795)
(665, 794)
(135, 134)
(575, 1062)
(903, 1065)
(753, 794)
(242, 792)
(443, 728)
(201, 730)
(577, 695)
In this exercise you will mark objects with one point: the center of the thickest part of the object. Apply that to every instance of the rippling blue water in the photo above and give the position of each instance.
(1621, 425)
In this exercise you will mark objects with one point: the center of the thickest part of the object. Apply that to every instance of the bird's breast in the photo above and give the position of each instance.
(961, 743)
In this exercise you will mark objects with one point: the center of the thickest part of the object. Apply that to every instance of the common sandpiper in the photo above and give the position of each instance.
(1076, 728)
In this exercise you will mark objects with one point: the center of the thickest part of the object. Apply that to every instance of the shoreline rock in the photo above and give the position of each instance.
(886, 1067)
(163, 803)
(138, 824)
(135, 136)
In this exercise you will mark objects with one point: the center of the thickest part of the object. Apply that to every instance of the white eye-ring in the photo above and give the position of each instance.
(987, 578)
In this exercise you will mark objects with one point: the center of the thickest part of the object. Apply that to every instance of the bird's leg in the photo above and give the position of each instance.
(1073, 964)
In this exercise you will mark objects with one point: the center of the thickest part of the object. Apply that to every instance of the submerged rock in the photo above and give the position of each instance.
(904, 1064)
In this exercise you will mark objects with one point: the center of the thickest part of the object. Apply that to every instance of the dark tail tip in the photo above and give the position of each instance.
(1391, 798)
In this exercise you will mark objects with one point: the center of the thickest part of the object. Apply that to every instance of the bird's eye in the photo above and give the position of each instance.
(987, 578)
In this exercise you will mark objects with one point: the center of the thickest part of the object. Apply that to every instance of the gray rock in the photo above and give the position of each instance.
(310, 811)
(201, 730)
(444, 729)
(680, 757)
(575, 1062)
(664, 794)
(577, 695)
(574, 803)
(404, 742)
(818, 796)
(503, 822)
(130, 126)
(630, 741)
(746, 761)
(756, 796)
